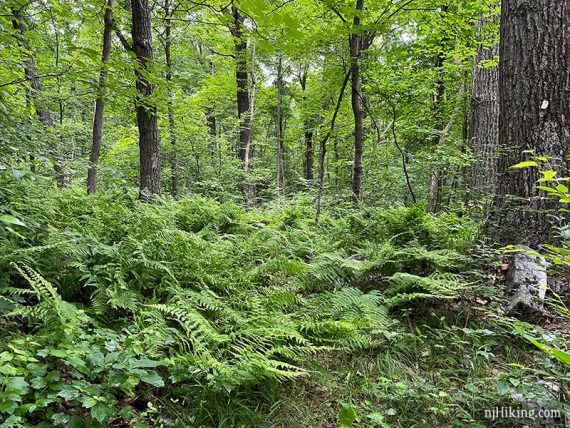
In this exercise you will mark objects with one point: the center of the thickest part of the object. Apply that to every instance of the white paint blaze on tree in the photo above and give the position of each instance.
(534, 112)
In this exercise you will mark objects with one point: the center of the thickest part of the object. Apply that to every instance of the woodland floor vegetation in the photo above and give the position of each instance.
(196, 313)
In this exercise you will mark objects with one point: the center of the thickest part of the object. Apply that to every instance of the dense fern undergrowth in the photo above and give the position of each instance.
(193, 313)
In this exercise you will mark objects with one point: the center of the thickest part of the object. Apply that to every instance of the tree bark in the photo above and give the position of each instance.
(355, 41)
(484, 121)
(534, 112)
(242, 82)
(174, 161)
(149, 141)
(434, 200)
(100, 101)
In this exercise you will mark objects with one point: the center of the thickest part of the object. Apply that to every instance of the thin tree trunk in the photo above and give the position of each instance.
(174, 161)
(434, 199)
(100, 101)
(210, 112)
(149, 142)
(62, 176)
(30, 70)
(280, 127)
(534, 113)
(484, 121)
(355, 42)
(249, 149)
(309, 176)
(323, 147)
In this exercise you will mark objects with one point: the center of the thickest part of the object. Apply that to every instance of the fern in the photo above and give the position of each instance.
(51, 310)
(407, 287)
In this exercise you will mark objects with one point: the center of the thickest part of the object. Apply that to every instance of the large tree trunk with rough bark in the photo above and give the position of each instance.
(357, 103)
(534, 112)
(484, 121)
(149, 141)
(100, 101)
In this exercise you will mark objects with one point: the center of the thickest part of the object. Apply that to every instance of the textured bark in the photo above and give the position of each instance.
(484, 121)
(242, 82)
(357, 105)
(534, 112)
(100, 101)
(174, 161)
(434, 199)
(149, 142)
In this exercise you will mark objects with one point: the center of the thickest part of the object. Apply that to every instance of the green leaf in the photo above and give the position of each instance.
(88, 402)
(17, 385)
(547, 176)
(68, 393)
(38, 382)
(347, 415)
(153, 379)
(101, 412)
(525, 164)
(546, 189)
(146, 363)
(10, 219)
(503, 387)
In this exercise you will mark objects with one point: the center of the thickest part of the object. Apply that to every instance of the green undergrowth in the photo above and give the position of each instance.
(196, 313)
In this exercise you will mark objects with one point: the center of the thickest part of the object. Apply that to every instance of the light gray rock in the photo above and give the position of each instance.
(528, 281)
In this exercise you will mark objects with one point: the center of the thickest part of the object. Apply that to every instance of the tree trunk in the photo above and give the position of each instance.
(242, 82)
(100, 101)
(307, 125)
(174, 161)
(280, 127)
(534, 112)
(355, 42)
(211, 112)
(434, 200)
(484, 121)
(309, 156)
(149, 142)
(250, 186)
(323, 146)
(30, 70)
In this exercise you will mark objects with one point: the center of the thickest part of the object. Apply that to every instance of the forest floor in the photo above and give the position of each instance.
(195, 313)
